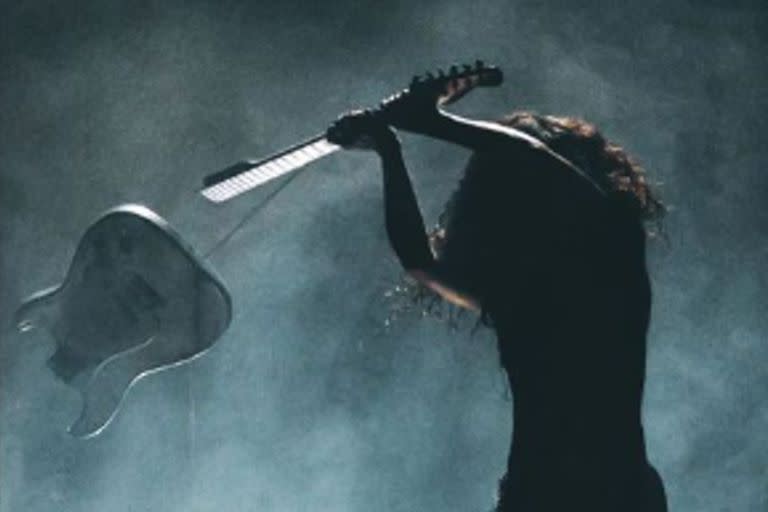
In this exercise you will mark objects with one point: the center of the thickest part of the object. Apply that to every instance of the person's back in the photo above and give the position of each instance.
(567, 293)
(548, 244)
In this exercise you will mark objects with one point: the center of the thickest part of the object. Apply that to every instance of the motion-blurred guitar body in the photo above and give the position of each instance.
(135, 300)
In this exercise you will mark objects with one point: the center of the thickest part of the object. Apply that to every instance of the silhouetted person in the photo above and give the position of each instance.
(545, 237)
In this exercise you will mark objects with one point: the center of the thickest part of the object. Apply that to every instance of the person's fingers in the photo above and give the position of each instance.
(333, 134)
(355, 129)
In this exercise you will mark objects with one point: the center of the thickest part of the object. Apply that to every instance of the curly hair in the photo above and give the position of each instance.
(620, 177)
(605, 162)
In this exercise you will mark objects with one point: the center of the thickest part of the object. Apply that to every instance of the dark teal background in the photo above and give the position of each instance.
(307, 402)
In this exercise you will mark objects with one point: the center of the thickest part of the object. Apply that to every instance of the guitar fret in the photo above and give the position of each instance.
(293, 159)
(290, 159)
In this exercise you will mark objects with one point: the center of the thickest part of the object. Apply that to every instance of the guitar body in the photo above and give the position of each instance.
(135, 300)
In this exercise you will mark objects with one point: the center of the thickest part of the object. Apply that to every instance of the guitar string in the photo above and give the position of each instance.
(250, 214)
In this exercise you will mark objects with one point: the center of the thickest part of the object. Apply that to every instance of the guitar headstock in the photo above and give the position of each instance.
(448, 86)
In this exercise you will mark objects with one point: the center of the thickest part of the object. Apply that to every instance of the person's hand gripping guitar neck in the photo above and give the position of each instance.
(415, 110)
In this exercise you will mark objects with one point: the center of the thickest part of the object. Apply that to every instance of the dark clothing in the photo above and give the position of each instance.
(560, 270)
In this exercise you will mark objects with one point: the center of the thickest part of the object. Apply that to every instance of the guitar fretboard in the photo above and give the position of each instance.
(245, 176)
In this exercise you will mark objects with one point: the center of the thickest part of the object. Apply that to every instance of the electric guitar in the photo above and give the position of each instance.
(136, 299)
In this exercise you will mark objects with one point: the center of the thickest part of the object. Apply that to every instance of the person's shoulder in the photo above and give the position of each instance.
(517, 163)
(533, 172)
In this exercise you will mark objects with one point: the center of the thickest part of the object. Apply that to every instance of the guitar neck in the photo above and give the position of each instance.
(444, 88)
(247, 175)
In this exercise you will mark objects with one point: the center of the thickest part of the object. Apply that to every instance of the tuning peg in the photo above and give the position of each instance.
(429, 76)
(440, 73)
(415, 80)
(466, 69)
(454, 70)
(479, 65)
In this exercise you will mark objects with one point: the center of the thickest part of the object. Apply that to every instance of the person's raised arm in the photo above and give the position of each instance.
(418, 113)
(403, 220)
